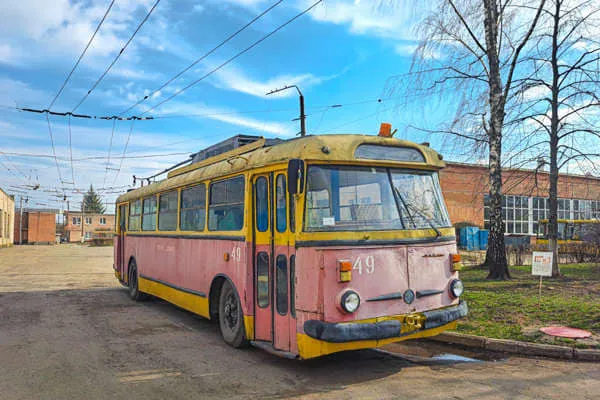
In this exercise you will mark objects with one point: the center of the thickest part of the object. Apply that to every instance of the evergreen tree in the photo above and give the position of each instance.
(92, 203)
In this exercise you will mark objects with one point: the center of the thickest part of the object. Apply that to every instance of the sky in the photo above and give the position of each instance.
(343, 52)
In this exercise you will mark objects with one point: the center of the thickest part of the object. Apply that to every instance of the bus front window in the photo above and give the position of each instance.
(365, 198)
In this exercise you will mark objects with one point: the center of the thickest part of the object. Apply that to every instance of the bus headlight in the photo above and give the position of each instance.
(350, 301)
(456, 288)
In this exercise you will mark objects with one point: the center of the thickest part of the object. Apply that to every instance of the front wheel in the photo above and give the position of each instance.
(231, 317)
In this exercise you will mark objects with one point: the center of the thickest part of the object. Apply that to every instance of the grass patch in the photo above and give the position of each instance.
(509, 309)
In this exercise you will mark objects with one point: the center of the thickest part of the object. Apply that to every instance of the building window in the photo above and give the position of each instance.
(226, 205)
(167, 211)
(87, 235)
(76, 220)
(564, 209)
(516, 214)
(102, 220)
(88, 220)
(541, 210)
(135, 211)
(594, 209)
(149, 214)
(193, 208)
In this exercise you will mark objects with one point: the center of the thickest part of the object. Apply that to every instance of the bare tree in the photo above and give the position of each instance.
(561, 96)
(473, 48)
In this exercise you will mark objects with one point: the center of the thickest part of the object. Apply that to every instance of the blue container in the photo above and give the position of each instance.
(483, 239)
(469, 238)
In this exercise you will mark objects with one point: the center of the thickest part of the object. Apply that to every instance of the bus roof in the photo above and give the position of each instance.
(328, 148)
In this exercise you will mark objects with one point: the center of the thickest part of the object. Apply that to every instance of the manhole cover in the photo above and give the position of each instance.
(566, 332)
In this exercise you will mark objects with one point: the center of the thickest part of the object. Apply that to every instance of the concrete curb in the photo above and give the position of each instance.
(517, 347)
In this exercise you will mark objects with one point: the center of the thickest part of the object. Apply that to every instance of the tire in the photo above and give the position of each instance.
(231, 317)
(132, 283)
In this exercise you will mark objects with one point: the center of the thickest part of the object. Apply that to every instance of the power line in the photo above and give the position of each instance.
(112, 135)
(262, 39)
(71, 152)
(117, 57)
(53, 149)
(202, 57)
(82, 54)
(124, 151)
(33, 155)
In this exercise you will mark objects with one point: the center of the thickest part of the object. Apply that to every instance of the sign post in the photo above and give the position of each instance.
(541, 264)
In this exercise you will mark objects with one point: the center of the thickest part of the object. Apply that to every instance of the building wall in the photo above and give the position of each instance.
(465, 187)
(38, 227)
(7, 219)
(90, 227)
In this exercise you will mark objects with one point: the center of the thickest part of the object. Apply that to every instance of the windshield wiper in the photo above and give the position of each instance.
(438, 233)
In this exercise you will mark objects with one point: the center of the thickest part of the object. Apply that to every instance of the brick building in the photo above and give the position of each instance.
(94, 225)
(7, 219)
(38, 226)
(465, 188)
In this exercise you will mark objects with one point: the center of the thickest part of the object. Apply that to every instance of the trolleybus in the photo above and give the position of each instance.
(302, 247)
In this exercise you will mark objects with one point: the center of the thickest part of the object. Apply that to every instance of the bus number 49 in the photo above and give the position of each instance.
(369, 265)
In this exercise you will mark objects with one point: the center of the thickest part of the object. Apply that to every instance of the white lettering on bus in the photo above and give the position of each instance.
(236, 253)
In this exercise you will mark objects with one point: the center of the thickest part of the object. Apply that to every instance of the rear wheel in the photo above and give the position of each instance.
(134, 291)
(231, 317)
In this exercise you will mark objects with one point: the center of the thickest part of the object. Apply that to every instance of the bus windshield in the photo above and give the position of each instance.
(340, 198)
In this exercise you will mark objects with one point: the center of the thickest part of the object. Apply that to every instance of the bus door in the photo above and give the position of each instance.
(121, 240)
(272, 318)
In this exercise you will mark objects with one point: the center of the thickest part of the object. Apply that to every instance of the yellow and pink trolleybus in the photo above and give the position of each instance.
(302, 247)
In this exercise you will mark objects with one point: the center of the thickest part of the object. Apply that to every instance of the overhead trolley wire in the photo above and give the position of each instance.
(112, 135)
(204, 56)
(117, 57)
(256, 43)
(53, 149)
(81, 55)
(124, 151)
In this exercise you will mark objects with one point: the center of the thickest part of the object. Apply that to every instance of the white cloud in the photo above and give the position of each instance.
(227, 116)
(232, 78)
(386, 19)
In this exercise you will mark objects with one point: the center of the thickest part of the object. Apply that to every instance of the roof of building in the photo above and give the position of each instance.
(483, 166)
(10, 196)
(329, 148)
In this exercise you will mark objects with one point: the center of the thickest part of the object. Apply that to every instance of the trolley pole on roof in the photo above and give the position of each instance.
(302, 115)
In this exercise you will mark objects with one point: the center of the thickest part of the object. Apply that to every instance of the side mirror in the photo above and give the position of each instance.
(295, 176)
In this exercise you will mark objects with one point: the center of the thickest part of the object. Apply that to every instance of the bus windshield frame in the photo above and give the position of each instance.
(368, 198)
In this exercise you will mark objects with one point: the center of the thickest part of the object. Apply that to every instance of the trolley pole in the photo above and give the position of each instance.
(302, 117)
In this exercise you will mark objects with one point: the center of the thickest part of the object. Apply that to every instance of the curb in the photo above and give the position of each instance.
(517, 347)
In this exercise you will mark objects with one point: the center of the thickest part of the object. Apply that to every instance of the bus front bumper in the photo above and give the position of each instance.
(390, 327)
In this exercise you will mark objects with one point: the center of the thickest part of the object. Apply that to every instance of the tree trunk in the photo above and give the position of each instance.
(496, 253)
(553, 193)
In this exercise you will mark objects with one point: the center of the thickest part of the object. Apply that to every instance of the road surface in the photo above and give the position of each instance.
(69, 331)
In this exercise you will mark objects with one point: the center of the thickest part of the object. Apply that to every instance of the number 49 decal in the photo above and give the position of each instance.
(368, 265)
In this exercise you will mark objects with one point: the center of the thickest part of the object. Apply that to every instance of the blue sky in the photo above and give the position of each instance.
(342, 52)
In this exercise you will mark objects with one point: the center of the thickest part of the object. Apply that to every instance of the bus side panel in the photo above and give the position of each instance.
(190, 265)
(308, 291)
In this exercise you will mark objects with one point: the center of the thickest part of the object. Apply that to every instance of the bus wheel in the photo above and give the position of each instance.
(231, 318)
(134, 291)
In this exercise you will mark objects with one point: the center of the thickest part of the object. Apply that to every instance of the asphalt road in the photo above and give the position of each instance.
(69, 331)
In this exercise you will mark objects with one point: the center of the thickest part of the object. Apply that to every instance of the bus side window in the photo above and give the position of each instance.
(149, 214)
(226, 205)
(135, 211)
(281, 206)
(193, 208)
(262, 204)
(167, 211)
(281, 279)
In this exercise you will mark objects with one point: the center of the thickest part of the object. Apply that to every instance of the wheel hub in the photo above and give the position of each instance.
(231, 312)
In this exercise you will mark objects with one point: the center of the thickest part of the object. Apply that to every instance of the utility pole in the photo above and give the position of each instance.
(82, 219)
(302, 117)
(21, 220)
